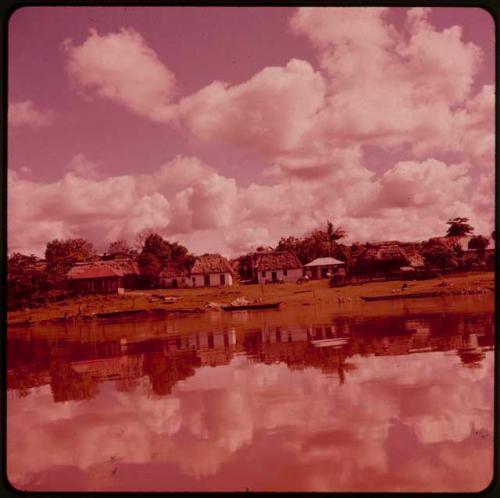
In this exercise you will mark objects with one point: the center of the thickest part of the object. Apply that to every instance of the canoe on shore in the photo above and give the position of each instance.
(120, 314)
(147, 312)
(245, 307)
(415, 295)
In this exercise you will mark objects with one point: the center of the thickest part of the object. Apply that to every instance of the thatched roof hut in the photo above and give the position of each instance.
(275, 260)
(211, 263)
(100, 269)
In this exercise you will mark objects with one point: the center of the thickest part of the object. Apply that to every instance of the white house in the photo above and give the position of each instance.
(174, 276)
(211, 270)
(276, 266)
(323, 267)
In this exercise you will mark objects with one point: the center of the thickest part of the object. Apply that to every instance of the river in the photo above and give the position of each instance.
(356, 398)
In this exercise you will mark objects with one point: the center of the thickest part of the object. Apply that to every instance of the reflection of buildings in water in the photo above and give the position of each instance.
(74, 368)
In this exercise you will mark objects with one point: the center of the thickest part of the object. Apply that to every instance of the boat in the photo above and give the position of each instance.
(402, 296)
(120, 314)
(334, 342)
(257, 306)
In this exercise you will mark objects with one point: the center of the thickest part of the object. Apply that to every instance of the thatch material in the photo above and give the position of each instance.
(384, 252)
(103, 269)
(275, 260)
(211, 263)
(448, 242)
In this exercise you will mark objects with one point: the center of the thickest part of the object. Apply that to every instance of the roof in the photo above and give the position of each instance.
(389, 251)
(173, 271)
(325, 262)
(449, 242)
(211, 263)
(275, 260)
(102, 269)
(92, 271)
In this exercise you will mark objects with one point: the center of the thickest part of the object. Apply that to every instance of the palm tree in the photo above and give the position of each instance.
(334, 234)
(459, 227)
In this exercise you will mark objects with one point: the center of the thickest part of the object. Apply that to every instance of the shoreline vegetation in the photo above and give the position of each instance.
(167, 302)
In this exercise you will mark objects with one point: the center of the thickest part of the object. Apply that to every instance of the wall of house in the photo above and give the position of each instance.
(291, 275)
(104, 285)
(214, 280)
(168, 283)
(318, 272)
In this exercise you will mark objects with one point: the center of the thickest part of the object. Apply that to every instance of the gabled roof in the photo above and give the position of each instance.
(275, 260)
(325, 262)
(389, 251)
(92, 271)
(102, 269)
(211, 263)
(124, 266)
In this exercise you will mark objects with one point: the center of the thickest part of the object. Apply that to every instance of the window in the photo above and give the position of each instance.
(285, 272)
(222, 279)
(263, 273)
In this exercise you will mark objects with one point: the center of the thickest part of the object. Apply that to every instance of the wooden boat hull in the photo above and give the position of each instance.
(252, 307)
(389, 297)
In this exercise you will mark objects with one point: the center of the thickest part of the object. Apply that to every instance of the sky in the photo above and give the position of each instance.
(228, 128)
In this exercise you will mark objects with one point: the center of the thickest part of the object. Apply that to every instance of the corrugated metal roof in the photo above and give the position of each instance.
(325, 262)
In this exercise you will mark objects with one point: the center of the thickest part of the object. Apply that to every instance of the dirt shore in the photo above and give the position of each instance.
(290, 295)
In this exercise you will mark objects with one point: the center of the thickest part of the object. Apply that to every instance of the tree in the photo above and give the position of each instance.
(61, 255)
(141, 238)
(440, 256)
(121, 248)
(479, 243)
(157, 253)
(317, 244)
(26, 280)
(334, 234)
(459, 227)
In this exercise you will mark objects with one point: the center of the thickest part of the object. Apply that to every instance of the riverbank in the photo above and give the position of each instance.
(177, 301)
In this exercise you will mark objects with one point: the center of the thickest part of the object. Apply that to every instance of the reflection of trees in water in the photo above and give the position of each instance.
(66, 384)
(165, 361)
(471, 358)
(165, 371)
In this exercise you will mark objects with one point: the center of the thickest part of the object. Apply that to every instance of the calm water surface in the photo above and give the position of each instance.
(354, 399)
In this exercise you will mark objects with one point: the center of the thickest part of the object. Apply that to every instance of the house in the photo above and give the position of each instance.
(174, 276)
(323, 267)
(211, 270)
(386, 258)
(103, 277)
(276, 266)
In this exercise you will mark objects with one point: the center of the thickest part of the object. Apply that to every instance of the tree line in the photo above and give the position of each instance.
(31, 282)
